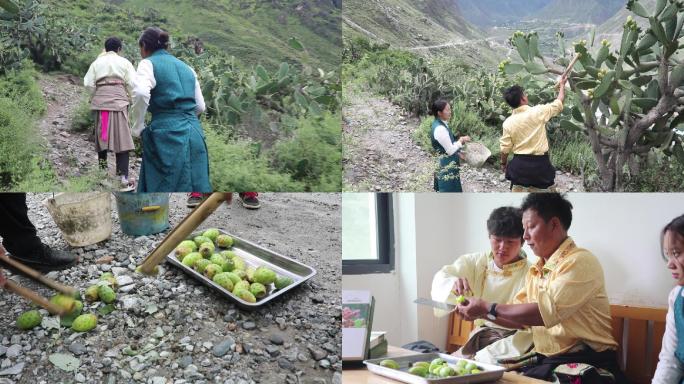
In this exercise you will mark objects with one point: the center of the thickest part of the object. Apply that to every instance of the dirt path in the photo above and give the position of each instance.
(71, 153)
(380, 154)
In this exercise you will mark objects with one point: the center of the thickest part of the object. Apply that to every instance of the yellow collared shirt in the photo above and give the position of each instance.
(524, 131)
(110, 64)
(570, 291)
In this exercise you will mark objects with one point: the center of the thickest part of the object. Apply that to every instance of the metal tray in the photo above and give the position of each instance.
(256, 256)
(490, 372)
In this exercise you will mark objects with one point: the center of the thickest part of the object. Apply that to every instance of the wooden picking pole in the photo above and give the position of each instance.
(181, 232)
(11, 286)
(568, 69)
(37, 276)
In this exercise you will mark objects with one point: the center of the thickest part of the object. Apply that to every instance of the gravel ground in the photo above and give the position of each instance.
(173, 329)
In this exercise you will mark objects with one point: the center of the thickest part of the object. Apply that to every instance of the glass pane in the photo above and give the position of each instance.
(359, 227)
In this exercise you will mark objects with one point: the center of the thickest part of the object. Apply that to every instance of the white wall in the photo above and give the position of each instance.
(622, 230)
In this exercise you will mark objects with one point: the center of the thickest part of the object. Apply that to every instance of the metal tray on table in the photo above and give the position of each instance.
(489, 372)
(256, 256)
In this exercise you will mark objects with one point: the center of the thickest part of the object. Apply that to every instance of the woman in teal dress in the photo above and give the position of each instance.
(175, 155)
(448, 178)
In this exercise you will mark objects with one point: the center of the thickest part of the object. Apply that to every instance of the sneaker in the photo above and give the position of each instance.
(250, 200)
(194, 199)
(52, 260)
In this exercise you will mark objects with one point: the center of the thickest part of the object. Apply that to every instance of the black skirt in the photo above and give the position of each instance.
(531, 171)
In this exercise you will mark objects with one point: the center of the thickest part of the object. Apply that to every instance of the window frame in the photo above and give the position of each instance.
(384, 214)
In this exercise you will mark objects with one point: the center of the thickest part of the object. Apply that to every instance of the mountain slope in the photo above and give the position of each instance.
(488, 13)
(611, 29)
(580, 11)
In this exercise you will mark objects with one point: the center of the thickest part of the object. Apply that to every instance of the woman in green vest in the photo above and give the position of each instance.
(447, 178)
(174, 155)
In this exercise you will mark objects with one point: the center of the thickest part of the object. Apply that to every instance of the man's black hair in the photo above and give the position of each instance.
(548, 206)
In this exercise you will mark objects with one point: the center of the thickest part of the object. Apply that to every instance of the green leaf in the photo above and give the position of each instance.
(534, 46)
(570, 126)
(646, 41)
(669, 13)
(641, 80)
(561, 44)
(653, 89)
(294, 43)
(658, 30)
(261, 72)
(676, 76)
(614, 106)
(625, 102)
(283, 70)
(660, 5)
(523, 49)
(65, 362)
(315, 109)
(9, 6)
(606, 82)
(513, 68)
(577, 114)
(300, 99)
(535, 68)
(592, 37)
(602, 55)
(106, 309)
(644, 103)
(587, 84)
(638, 9)
(613, 120)
(678, 152)
(627, 41)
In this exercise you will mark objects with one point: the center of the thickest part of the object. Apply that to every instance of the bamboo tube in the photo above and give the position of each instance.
(181, 232)
(11, 286)
(37, 276)
(568, 69)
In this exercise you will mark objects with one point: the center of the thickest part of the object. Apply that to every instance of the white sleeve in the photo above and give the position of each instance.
(669, 369)
(89, 79)
(145, 82)
(131, 77)
(442, 136)
(199, 98)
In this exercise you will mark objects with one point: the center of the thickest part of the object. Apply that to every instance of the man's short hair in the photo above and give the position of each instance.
(514, 95)
(112, 44)
(506, 222)
(549, 205)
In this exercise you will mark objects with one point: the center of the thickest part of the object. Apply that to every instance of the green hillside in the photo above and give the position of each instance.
(488, 13)
(580, 11)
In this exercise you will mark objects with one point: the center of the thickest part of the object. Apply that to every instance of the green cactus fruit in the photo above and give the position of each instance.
(418, 371)
(389, 363)
(228, 265)
(201, 265)
(470, 366)
(241, 285)
(206, 250)
(106, 294)
(224, 241)
(211, 233)
(228, 254)
(250, 273)
(446, 371)
(217, 258)
(199, 240)
(212, 270)
(182, 251)
(240, 273)
(234, 277)
(108, 277)
(189, 243)
(29, 319)
(68, 319)
(283, 281)
(240, 264)
(258, 290)
(224, 281)
(421, 364)
(63, 301)
(264, 276)
(191, 259)
(474, 371)
(84, 323)
(91, 293)
(245, 295)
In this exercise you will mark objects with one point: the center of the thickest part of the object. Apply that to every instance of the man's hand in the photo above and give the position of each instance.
(561, 90)
(461, 286)
(475, 309)
(464, 139)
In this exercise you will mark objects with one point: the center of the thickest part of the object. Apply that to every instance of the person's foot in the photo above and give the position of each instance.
(250, 200)
(195, 199)
(52, 260)
(127, 185)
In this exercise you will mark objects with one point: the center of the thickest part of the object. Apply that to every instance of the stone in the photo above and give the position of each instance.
(185, 361)
(223, 347)
(77, 348)
(276, 339)
(273, 350)
(285, 364)
(13, 351)
(248, 325)
(13, 370)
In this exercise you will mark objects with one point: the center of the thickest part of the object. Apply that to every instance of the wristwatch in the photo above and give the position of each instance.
(492, 312)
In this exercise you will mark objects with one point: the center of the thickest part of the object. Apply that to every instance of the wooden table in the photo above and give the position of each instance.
(363, 376)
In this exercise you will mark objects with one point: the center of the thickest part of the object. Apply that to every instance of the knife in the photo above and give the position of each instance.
(435, 304)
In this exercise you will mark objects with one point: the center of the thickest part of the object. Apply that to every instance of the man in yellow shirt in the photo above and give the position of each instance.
(564, 300)
(524, 134)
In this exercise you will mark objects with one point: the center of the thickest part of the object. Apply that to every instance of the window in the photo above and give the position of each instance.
(367, 233)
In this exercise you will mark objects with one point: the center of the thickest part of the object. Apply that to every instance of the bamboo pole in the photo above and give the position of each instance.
(11, 286)
(181, 232)
(568, 69)
(37, 276)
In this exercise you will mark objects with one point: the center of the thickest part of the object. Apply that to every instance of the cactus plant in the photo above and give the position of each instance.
(630, 100)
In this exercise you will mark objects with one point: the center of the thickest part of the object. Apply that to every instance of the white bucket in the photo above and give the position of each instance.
(475, 154)
(83, 218)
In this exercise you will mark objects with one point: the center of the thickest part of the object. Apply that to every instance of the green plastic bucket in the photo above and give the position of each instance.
(143, 213)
